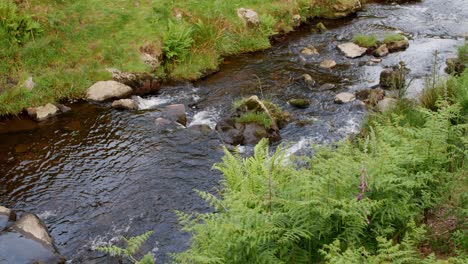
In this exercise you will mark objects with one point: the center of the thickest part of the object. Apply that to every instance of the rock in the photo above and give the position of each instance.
(386, 104)
(105, 90)
(296, 20)
(6, 215)
(31, 224)
(381, 51)
(176, 113)
(375, 96)
(249, 16)
(328, 64)
(162, 122)
(374, 60)
(150, 60)
(343, 98)
(342, 8)
(395, 46)
(63, 108)
(253, 133)
(310, 50)
(141, 83)
(363, 95)
(352, 50)
(454, 66)
(327, 86)
(392, 78)
(129, 104)
(321, 27)
(299, 103)
(201, 128)
(29, 84)
(43, 112)
(308, 79)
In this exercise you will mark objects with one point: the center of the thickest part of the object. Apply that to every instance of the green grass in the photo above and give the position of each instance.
(80, 39)
(392, 37)
(366, 41)
(259, 118)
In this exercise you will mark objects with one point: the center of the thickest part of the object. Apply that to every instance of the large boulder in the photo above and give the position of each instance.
(342, 8)
(249, 16)
(105, 90)
(396, 46)
(352, 50)
(235, 129)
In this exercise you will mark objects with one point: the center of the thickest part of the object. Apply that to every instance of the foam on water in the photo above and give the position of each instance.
(151, 102)
(206, 117)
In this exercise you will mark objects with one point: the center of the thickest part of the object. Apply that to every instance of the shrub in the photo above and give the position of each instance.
(177, 40)
(365, 40)
(18, 27)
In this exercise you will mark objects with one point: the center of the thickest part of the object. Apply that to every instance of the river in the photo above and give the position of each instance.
(96, 173)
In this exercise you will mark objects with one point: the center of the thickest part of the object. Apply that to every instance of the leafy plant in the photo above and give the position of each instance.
(18, 27)
(133, 245)
(177, 40)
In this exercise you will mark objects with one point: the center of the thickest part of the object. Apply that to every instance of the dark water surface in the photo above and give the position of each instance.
(96, 173)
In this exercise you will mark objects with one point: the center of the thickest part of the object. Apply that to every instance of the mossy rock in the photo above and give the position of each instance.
(299, 103)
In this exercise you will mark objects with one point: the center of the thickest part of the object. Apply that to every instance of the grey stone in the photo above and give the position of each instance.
(176, 113)
(249, 16)
(381, 51)
(129, 104)
(386, 104)
(105, 90)
(328, 64)
(352, 50)
(343, 98)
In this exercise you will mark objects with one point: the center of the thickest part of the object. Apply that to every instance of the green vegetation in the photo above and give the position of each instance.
(67, 45)
(392, 37)
(366, 201)
(365, 40)
(260, 118)
(133, 245)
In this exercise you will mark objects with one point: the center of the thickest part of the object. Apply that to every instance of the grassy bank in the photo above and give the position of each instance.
(67, 45)
(395, 194)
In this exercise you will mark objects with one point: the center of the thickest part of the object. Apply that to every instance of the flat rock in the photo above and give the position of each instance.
(343, 98)
(32, 225)
(352, 50)
(328, 64)
(43, 112)
(105, 90)
(129, 104)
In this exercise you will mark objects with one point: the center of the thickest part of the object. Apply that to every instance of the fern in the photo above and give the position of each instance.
(133, 245)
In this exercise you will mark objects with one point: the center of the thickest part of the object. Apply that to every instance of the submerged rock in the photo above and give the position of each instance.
(299, 103)
(308, 79)
(352, 50)
(105, 90)
(175, 113)
(249, 16)
(343, 98)
(310, 50)
(129, 104)
(328, 64)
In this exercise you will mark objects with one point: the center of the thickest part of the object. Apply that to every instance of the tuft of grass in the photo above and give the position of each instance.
(256, 117)
(392, 37)
(366, 41)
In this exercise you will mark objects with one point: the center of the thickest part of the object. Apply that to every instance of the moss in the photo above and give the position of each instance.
(366, 41)
(256, 117)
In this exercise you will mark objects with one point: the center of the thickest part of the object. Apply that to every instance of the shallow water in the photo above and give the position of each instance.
(95, 173)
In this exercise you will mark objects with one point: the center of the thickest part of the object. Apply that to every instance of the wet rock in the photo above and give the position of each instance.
(43, 112)
(342, 8)
(253, 133)
(31, 224)
(105, 90)
(328, 64)
(454, 66)
(381, 51)
(249, 16)
(363, 94)
(141, 83)
(128, 104)
(299, 103)
(343, 98)
(375, 96)
(176, 113)
(393, 78)
(29, 84)
(201, 128)
(63, 108)
(386, 104)
(162, 122)
(327, 86)
(321, 27)
(396, 46)
(310, 50)
(308, 79)
(9, 215)
(352, 50)
(296, 20)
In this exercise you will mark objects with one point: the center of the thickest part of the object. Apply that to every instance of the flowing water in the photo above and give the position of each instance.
(95, 173)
